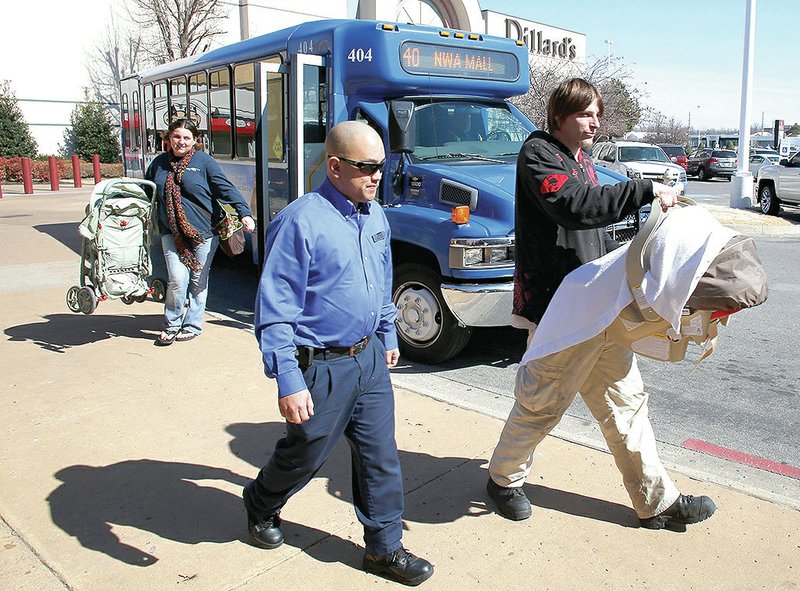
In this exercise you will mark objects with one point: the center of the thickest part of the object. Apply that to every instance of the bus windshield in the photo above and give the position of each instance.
(466, 129)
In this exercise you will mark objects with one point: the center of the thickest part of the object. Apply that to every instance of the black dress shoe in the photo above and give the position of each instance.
(511, 502)
(684, 511)
(400, 566)
(265, 533)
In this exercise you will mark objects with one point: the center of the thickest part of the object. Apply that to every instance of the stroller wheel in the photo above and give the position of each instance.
(87, 300)
(128, 300)
(72, 299)
(141, 298)
(159, 289)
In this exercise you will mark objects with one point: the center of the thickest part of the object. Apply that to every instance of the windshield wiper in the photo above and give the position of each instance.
(460, 155)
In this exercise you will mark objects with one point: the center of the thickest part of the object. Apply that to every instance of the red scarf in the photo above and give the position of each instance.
(185, 235)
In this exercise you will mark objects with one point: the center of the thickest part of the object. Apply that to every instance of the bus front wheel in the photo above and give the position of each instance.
(426, 328)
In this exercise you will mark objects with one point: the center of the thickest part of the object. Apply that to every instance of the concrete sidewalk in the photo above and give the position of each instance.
(121, 467)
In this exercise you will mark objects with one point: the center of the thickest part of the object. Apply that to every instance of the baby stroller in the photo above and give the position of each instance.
(115, 251)
(733, 280)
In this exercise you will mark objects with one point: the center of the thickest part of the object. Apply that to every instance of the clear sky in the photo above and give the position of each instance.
(686, 55)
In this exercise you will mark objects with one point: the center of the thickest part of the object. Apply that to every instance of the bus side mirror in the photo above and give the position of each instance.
(402, 127)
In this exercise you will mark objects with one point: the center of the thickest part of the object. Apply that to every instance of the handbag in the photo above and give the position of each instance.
(231, 233)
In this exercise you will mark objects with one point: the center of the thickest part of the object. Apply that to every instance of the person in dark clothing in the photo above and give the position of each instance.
(190, 188)
(325, 326)
(561, 216)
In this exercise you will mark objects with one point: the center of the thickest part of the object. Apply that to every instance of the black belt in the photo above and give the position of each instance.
(304, 355)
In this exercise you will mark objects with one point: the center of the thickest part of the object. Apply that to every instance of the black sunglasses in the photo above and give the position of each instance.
(369, 168)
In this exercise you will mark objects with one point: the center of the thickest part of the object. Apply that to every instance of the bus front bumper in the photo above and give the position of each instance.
(483, 304)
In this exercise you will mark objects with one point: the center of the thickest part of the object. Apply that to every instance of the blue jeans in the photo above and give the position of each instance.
(187, 290)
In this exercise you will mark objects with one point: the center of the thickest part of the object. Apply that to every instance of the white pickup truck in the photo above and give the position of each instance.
(779, 184)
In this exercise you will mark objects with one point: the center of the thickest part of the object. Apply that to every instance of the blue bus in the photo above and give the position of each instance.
(438, 97)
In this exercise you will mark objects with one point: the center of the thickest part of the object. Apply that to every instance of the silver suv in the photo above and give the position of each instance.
(638, 160)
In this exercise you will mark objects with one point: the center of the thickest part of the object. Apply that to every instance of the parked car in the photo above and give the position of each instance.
(779, 184)
(758, 160)
(764, 151)
(676, 154)
(707, 163)
(637, 160)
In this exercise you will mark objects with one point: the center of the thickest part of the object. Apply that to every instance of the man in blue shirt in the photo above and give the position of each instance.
(325, 324)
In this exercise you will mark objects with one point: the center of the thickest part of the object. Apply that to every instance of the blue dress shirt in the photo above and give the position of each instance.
(326, 281)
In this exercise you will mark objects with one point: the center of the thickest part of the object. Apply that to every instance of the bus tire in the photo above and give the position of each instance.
(427, 331)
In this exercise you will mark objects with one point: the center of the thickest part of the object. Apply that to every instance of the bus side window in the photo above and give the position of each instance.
(198, 104)
(220, 109)
(160, 100)
(245, 104)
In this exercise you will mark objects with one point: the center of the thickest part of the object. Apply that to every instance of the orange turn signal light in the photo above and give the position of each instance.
(460, 214)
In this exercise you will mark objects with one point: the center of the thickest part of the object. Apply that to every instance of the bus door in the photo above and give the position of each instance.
(272, 178)
(291, 133)
(308, 97)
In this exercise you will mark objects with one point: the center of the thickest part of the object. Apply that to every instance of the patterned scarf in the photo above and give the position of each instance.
(184, 234)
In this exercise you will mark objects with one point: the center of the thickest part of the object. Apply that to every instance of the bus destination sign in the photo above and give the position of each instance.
(462, 62)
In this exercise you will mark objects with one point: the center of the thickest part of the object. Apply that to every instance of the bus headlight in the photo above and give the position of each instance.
(473, 256)
(472, 253)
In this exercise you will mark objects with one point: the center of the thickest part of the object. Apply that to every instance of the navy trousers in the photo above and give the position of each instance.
(353, 397)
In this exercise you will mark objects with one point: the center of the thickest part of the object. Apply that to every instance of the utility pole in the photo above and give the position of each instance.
(742, 182)
(244, 20)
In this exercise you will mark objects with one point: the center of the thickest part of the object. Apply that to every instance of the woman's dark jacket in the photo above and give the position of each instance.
(202, 185)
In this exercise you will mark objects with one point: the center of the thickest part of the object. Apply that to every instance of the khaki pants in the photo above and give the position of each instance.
(608, 379)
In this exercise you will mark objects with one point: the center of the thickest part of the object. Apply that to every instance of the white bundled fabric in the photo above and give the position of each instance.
(591, 297)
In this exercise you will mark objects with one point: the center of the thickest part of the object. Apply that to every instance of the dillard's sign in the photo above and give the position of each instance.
(562, 48)
(543, 41)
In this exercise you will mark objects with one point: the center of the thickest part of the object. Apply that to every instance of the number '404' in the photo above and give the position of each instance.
(360, 55)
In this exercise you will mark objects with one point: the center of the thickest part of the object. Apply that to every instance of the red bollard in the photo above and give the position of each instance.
(27, 178)
(96, 167)
(51, 162)
(76, 171)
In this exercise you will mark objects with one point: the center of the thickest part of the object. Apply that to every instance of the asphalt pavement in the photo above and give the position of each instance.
(121, 466)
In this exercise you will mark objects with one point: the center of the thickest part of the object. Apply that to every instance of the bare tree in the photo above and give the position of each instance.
(546, 74)
(622, 100)
(661, 129)
(117, 53)
(172, 29)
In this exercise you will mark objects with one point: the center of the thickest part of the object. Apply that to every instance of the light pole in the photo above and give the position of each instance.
(742, 185)
(609, 43)
(698, 127)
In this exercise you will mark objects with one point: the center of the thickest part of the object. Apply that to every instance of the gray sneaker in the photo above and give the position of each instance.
(511, 502)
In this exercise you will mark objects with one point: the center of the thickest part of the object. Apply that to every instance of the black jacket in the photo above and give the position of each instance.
(560, 218)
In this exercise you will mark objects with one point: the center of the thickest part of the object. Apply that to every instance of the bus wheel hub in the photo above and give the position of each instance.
(418, 315)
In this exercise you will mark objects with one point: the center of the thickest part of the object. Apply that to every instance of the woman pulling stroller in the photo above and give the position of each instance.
(190, 190)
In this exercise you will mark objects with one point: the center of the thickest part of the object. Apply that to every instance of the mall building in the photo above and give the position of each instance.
(544, 41)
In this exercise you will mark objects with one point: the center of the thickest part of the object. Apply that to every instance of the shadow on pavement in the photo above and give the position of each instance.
(503, 345)
(254, 443)
(179, 501)
(65, 233)
(59, 332)
(172, 500)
